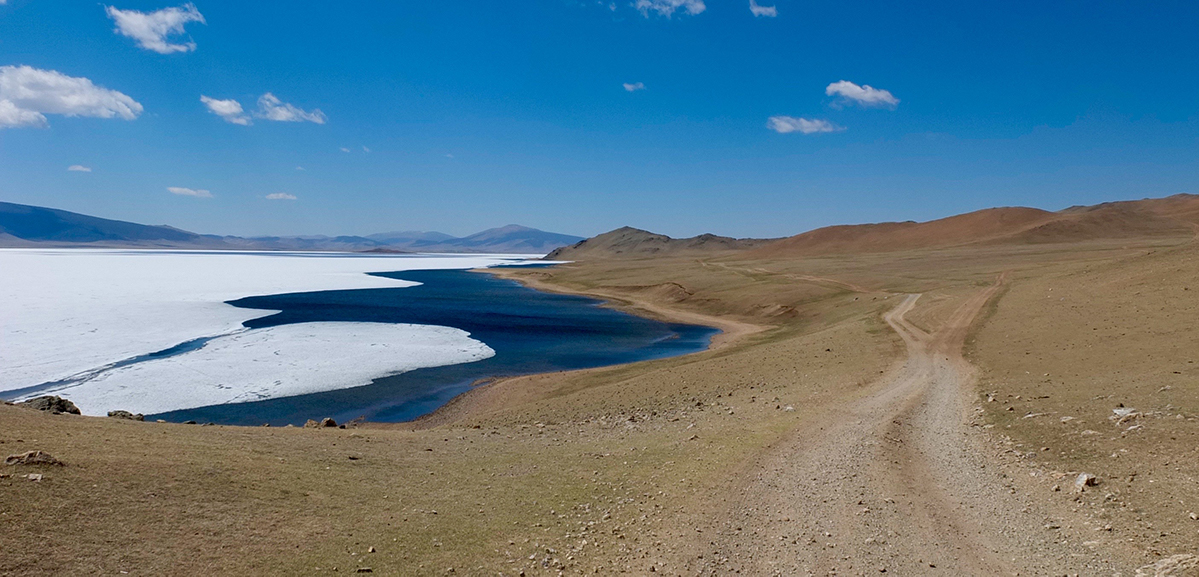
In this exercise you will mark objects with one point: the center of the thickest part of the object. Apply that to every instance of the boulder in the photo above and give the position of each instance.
(1083, 481)
(32, 458)
(55, 405)
(126, 415)
(325, 422)
(1175, 566)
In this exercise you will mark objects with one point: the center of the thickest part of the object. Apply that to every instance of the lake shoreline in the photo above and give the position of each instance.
(479, 399)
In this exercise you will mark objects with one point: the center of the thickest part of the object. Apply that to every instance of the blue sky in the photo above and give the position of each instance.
(479, 114)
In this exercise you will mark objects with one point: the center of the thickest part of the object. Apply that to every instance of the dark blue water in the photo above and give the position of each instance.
(531, 332)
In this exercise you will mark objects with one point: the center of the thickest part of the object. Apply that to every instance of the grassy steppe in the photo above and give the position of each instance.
(623, 468)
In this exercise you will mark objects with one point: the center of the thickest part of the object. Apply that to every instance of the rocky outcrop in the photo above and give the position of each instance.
(52, 404)
(32, 458)
(1184, 565)
(126, 415)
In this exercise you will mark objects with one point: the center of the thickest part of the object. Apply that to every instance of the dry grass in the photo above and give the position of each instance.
(1071, 346)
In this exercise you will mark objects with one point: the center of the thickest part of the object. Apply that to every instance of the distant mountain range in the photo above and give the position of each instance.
(34, 226)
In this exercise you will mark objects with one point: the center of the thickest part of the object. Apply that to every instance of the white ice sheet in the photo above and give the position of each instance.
(279, 361)
(64, 312)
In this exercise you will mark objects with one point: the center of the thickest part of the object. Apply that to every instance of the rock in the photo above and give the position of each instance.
(189, 422)
(1175, 566)
(126, 415)
(32, 458)
(34, 476)
(1083, 481)
(365, 570)
(55, 405)
(327, 422)
(1122, 414)
(311, 424)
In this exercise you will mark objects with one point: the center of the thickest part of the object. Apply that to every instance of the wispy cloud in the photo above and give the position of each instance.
(230, 110)
(151, 29)
(271, 108)
(27, 94)
(864, 95)
(787, 124)
(280, 196)
(181, 191)
(365, 149)
(344, 149)
(634, 87)
(299, 168)
(667, 8)
(767, 11)
(78, 168)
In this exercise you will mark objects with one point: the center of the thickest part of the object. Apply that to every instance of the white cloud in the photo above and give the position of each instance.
(27, 94)
(767, 11)
(150, 29)
(189, 192)
(864, 95)
(344, 149)
(633, 87)
(271, 108)
(230, 110)
(667, 7)
(280, 196)
(786, 124)
(299, 168)
(78, 168)
(12, 116)
(365, 149)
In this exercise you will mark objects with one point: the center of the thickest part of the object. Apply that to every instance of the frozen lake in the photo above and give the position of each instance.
(252, 338)
(68, 315)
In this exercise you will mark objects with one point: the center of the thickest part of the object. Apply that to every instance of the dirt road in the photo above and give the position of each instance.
(894, 482)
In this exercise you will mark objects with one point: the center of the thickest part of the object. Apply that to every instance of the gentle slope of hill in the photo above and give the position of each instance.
(36, 224)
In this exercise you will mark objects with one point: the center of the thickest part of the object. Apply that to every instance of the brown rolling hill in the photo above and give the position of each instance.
(628, 242)
(982, 225)
(1173, 216)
